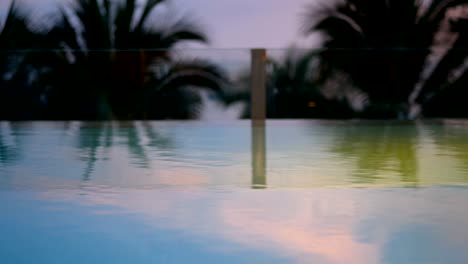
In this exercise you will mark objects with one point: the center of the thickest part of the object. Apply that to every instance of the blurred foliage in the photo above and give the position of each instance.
(19, 99)
(292, 89)
(103, 59)
(382, 44)
(444, 93)
(109, 60)
(118, 65)
(294, 92)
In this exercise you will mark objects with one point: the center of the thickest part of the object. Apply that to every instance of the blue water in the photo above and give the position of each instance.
(194, 192)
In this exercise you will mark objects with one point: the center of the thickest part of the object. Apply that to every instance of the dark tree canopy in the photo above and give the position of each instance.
(382, 44)
(104, 59)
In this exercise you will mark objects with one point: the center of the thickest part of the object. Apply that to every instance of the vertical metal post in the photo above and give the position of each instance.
(258, 115)
(258, 85)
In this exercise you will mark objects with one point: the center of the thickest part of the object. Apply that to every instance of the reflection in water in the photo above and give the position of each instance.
(334, 226)
(294, 154)
(423, 243)
(259, 179)
(147, 194)
(97, 136)
(451, 139)
(379, 149)
(90, 141)
(133, 140)
(10, 142)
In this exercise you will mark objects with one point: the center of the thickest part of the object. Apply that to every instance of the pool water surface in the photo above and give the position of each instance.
(226, 192)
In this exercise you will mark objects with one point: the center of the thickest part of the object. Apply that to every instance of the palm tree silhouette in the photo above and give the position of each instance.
(293, 89)
(19, 99)
(381, 44)
(114, 63)
(443, 93)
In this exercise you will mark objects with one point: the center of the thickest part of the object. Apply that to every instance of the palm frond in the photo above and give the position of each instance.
(182, 31)
(195, 73)
(437, 9)
(114, 53)
(442, 77)
(16, 33)
(64, 34)
(147, 9)
(381, 44)
(95, 24)
(123, 21)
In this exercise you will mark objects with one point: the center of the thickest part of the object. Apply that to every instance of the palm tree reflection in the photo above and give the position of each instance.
(451, 140)
(91, 138)
(97, 137)
(128, 133)
(10, 143)
(380, 150)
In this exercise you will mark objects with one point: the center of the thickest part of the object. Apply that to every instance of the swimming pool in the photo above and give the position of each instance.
(224, 192)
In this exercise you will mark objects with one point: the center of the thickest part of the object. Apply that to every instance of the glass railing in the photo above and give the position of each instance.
(123, 85)
(203, 83)
(139, 86)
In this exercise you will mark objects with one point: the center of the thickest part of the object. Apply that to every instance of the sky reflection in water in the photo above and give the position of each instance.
(182, 192)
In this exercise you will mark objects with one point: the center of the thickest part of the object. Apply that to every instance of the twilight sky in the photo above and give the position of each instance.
(248, 23)
(231, 23)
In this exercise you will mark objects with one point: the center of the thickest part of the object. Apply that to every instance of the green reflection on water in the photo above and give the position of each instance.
(452, 141)
(379, 149)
